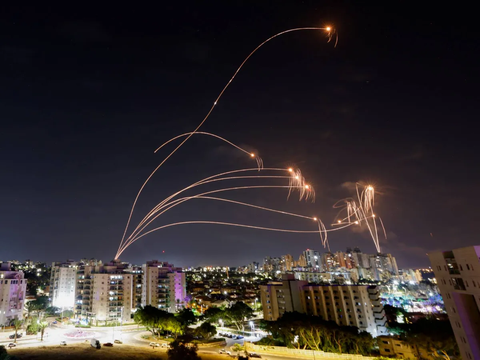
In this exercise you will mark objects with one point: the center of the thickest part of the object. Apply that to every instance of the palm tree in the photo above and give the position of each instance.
(17, 325)
(42, 326)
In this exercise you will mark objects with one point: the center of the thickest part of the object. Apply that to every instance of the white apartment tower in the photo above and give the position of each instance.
(312, 258)
(63, 282)
(13, 288)
(105, 292)
(163, 286)
(458, 277)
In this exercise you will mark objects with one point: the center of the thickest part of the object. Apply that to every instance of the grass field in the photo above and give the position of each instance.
(86, 352)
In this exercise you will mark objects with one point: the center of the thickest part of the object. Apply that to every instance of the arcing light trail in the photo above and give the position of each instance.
(358, 211)
(252, 155)
(167, 206)
(330, 34)
(306, 191)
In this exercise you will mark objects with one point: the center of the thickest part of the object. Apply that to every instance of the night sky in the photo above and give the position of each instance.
(88, 93)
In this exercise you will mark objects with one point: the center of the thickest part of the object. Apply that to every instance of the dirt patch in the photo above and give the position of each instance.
(85, 351)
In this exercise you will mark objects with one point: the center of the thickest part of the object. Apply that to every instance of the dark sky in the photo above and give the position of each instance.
(88, 93)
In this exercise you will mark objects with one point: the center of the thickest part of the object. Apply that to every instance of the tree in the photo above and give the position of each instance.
(33, 328)
(186, 317)
(207, 330)
(17, 325)
(182, 351)
(152, 318)
(37, 306)
(237, 347)
(175, 326)
(435, 336)
(213, 314)
(68, 313)
(238, 313)
(52, 310)
(303, 331)
(42, 326)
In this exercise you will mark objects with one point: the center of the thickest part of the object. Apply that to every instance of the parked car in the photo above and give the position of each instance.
(153, 344)
(95, 343)
(223, 351)
(118, 342)
(19, 335)
(165, 345)
(254, 355)
(63, 343)
(11, 345)
(108, 344)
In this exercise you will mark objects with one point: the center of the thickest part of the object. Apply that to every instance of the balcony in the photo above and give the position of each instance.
(458, 284)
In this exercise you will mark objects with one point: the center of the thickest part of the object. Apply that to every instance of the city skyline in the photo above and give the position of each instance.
(91, 96)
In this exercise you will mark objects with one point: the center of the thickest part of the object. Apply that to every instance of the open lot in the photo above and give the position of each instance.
(85, 351)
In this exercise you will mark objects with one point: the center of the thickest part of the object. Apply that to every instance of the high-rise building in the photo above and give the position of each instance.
(383, 266)
(105, 292)
(458, 278)
(271, 265)
(344, 260)
(253, 267)
(313, 260)
(137, 274)
(281, 297)
(347, 305)
(302, 262)
(13, 287)
(328, 260)
(286, 263)
(163, 286)
(63, 280)
(360, 259)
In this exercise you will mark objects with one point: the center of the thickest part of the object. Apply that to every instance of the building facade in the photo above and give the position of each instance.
(13, 287)
(458, 278)
(163, 286)
(63, 282)
(105, 293)
(281, 296)
(313, 259)
(347, 305)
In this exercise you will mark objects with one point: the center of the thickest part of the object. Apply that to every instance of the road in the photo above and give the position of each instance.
(129, 336)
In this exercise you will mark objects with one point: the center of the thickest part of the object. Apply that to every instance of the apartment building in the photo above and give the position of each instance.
(13, 287)
(105, 292)
(286, 263)
(313, 259)
(163, 286)
(458, 278)
(63, 282)
(347, 305)
(279, 297)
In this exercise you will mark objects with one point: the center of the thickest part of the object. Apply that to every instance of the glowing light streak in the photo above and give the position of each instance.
(259, 161)
(176, 202)
(226, 224)
(217, 177)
